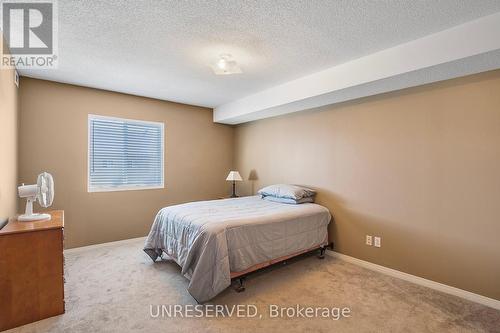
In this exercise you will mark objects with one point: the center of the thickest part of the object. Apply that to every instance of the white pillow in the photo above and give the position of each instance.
(287, 191)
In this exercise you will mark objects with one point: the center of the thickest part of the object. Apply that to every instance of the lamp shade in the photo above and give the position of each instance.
(234, 176)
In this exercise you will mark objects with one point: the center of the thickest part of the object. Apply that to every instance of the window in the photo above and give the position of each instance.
(124, 154)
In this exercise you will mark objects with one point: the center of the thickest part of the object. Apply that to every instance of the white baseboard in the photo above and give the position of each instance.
(96, 246)
(490, 302)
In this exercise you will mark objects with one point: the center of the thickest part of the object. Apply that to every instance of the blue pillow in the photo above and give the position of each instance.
(288, 200)
(287, 191)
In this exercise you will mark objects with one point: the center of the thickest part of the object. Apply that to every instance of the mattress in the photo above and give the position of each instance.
(211, 239)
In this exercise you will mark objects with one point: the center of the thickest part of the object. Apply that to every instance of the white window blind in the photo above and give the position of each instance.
(124, 154)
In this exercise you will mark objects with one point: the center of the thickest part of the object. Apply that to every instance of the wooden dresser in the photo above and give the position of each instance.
(31, 270)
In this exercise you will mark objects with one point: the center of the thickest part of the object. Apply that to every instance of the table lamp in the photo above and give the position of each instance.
(234, 176)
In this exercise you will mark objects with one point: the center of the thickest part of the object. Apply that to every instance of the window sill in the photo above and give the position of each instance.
(123, 188)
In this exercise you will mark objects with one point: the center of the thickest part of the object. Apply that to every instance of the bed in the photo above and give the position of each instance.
(215, 241)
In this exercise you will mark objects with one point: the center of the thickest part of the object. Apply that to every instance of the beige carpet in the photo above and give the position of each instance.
(110, 289)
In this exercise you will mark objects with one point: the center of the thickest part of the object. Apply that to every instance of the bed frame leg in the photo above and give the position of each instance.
(321, 254)
(322, 250)
(240, 288)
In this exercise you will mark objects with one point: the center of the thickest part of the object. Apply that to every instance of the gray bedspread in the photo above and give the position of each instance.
(210, 239)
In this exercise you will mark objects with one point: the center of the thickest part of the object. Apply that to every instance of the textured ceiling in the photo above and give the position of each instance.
(163, 49)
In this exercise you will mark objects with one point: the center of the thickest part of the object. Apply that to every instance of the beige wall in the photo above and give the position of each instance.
(419, 167)
(8, 142)
(53, 125)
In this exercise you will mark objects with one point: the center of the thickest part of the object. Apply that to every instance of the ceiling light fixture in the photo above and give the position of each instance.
(226, 65)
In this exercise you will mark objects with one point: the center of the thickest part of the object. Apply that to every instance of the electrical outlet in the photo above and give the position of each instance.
(369, 240)
(378, 241)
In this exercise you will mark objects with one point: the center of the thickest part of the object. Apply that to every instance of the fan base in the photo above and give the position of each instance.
(33, 217)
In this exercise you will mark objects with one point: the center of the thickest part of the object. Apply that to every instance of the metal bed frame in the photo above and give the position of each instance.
(240, 277)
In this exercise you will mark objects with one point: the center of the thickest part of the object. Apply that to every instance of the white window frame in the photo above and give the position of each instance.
(107, 188)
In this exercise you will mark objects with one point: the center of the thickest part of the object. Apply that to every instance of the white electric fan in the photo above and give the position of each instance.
(43, 191)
